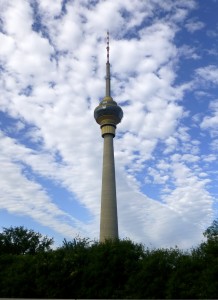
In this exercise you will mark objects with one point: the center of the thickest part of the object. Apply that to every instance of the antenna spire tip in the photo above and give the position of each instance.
(108, 47)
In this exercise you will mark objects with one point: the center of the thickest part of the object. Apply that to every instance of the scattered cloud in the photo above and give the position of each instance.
(208, 73)
(194, 25)
(211, 122)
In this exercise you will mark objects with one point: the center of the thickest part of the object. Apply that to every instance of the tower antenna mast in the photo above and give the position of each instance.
(108, 47)
(108, 79)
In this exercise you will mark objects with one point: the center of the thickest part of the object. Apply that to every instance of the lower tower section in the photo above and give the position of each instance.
(108, 222)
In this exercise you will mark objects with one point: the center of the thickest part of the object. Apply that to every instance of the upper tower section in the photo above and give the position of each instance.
(108, 113)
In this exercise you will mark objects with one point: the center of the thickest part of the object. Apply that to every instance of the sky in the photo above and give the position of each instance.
(164, 75)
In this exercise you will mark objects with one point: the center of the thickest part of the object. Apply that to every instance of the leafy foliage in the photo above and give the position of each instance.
(19, 240)
(212, 231)
(115, 269)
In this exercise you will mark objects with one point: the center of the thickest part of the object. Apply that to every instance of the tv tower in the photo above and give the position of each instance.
(108, 114)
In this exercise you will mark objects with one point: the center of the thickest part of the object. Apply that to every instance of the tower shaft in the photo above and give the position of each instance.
(108, 223)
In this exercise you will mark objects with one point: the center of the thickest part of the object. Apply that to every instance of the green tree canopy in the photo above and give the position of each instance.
(19, 240)
(212, 231)
(117, 269)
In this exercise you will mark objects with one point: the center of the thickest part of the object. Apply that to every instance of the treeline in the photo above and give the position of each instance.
(29, 268)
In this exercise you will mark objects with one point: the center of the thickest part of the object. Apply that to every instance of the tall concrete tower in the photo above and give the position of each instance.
(108, 114)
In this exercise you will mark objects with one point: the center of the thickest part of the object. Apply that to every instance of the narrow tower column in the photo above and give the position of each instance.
(109, 222)
(108, 114)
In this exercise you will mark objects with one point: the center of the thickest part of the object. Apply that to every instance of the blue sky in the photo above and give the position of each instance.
(164, 69)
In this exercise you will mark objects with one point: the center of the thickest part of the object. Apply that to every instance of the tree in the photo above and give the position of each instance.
(17, 276)
(155, 270)
(211, 233)
(109, 267)
(186, 277)
(19, 240)
(117, 269)
(207, 254)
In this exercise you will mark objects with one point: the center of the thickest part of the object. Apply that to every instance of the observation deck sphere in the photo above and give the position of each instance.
(108, 109)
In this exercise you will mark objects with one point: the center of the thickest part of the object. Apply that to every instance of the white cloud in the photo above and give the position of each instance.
(211, 122)
(48, 10)
(189, 52)
(214, 145)
(208, 73)
(193, 25)
(24, 197)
